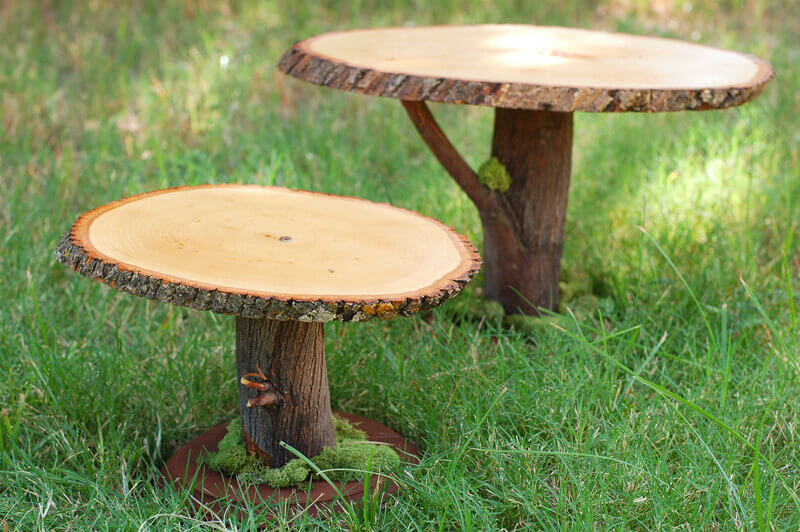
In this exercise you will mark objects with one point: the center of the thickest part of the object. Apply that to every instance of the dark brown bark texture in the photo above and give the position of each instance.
(300, 63)
(523, 229)
(292, 357)
(74, 254)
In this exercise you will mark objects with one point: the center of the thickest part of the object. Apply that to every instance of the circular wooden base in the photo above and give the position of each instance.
(215, 491)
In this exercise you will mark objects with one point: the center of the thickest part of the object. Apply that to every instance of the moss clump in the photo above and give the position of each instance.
(494, 175)
(351, 452)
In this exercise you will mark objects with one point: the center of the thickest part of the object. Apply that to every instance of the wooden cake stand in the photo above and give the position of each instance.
(283, 262)
(535, 77)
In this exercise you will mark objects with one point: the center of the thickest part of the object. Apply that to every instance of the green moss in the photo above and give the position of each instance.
(345, 431)
(494, 175)
(351, 453)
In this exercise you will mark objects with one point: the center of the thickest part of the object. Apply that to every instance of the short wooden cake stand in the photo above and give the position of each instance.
(535, 77)
(283, 262)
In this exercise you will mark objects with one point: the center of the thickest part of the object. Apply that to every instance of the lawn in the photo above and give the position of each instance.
(668, 394)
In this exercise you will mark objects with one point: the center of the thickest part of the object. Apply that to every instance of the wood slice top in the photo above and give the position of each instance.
(271, 252)
(529, 67)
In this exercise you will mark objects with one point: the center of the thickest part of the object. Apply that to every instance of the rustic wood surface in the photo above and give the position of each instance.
(291, 357)
(529, 67)
(76, 250)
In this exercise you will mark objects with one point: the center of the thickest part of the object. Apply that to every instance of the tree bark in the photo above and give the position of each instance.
(524, 227)
(294, 394)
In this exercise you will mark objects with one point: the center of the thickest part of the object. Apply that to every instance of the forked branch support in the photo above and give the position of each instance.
(524, 225)
(446, 153)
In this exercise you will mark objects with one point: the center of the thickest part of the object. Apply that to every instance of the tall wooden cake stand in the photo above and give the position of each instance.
(535, 77)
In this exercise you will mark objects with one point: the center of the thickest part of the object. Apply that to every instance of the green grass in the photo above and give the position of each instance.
(677, 404)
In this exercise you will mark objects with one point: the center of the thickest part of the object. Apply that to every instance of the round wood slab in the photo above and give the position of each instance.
(529, 67)
(271, 252)
(211, 486)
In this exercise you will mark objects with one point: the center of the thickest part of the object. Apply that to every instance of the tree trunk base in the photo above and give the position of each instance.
(283, 388)
(523, 234)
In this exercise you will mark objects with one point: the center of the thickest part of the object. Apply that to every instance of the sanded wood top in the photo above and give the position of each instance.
(267, 251)
(529, 67)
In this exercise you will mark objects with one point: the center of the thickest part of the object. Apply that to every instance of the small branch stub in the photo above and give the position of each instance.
(262, 386)
(269, 399)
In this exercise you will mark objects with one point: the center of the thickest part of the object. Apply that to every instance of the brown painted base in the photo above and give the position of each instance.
(215, 491)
